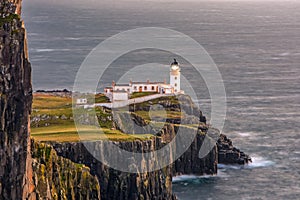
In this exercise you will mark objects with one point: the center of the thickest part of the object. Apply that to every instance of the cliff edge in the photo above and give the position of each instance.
(15, 104)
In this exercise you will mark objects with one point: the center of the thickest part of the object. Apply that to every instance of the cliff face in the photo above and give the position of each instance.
(56, 177)
(190, 163)
(119, 185)
(153, 185)
(46, 175)
(15, 104)
(18, 4)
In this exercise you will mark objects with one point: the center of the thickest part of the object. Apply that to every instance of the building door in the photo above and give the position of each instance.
(141, 89)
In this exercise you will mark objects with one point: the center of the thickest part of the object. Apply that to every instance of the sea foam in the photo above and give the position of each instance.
(257, 162)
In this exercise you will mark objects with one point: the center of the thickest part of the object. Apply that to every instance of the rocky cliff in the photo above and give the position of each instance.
(120, 185)
(46, 175)
(153, 185)
(56, 177)
(228, 154)
(15, 104)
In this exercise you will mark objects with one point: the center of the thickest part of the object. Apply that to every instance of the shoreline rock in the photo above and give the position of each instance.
(228, 154)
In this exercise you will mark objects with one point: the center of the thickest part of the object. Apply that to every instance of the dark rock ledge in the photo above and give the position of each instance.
(228, 154)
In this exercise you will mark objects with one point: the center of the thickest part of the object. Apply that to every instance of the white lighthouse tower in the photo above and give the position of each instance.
(175, 76)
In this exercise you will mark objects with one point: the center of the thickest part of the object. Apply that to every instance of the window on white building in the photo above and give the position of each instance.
(175, 77)
(145, 88)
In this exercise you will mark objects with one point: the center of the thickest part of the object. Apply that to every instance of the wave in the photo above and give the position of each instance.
(183, 178)
(44, 50)
(285, 54)
(257, 162)
(260, 162)
(52, 50)
(74, 38)
(246, 134)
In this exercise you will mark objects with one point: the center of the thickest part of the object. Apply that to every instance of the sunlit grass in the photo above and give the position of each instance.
(101, 98)
(141, 94)
(154, 114)
(46, 101)
(87, 133)
(62, 129)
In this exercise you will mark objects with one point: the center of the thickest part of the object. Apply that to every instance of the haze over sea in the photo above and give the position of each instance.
(256, 46)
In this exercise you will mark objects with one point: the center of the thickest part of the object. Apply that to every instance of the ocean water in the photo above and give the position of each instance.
(256, 46)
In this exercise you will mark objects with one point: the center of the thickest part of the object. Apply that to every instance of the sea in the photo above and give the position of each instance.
(254, 44)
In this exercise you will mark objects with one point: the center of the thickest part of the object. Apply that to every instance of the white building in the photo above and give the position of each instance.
(81, 101)
(121, 92)
(175, 76)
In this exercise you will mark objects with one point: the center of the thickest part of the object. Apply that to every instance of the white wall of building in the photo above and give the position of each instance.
(165, 89)
(81, 101)
(120, 96)
(144, 87)
(122, 88)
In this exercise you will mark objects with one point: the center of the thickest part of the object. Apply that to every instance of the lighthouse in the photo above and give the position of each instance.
(175, 76)
(122, 91)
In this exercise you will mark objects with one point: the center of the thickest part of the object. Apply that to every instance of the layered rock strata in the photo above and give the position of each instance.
(15, 105)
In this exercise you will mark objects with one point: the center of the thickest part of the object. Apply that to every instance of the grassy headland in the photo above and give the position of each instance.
(52, 118)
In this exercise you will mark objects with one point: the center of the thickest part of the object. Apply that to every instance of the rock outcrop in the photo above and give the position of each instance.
(15, 104)
(228, 154)
(190, 163)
